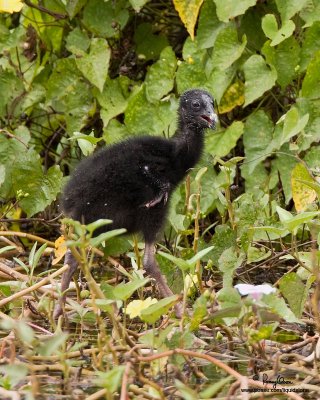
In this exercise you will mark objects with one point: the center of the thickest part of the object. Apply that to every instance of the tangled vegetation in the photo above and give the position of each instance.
(79, 74)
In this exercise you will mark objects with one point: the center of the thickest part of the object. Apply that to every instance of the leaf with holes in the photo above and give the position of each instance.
(270, 28)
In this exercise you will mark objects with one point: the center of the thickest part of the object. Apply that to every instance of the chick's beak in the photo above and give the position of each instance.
(211, 118)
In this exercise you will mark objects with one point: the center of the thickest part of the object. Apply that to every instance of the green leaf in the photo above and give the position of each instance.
(224, 237)
(74, 6)
(2, 174)
(188, 11)
(87, 143)
(192, 261)
(288, 8)
(124, 290)
(199, 312)
(53, 344)
(137, 4)
(155, 311)
(220, 144)
(259, 78)
(311, 82)
(278, 305)
(11, 87)
(228, 9)
(42, 188)
(273, 232)
(208, 26)
(251, 26)
(113, 99)
(310, 13)
(257, 254)
(24, 332)
(285, 59)
(293, 124)
(191, 72)
(182, 264)
(105, 18)
(114, 131)
(284, 215)
(106, 305)
(95, 65)
(295, 291)
(106, 236)
(298, 220)
(311, 132)
(212, 390)
(13, 373)
(186, 265)
(227, 48)
(34, 258)
(310, 44)
(283, 166)
(117, 245)
(230, 304)
(97, 224)
(6, 248)
(228, 262)
(257, 136)
(218, 81)
(270, 28)
(160, 76)
(186, 392)
(263, 333)
(149, 45)
(77, 42)
(111, 380)
(68, 94)
(144, 117)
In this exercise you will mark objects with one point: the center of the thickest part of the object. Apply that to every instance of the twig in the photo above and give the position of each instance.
(124, 385)
(45, 10)
(139, 392)
(36, 286)
(7, 271)
(12, 136)
(97, 395)
(13, 273)
(244, 382)
(73, 354)
(28, 236)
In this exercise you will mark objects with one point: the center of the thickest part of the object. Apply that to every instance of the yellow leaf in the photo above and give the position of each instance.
(302, 194)
(233, 96)
(10, 6)
(135, 307)
(60, 249)
(191, 283)
(188, 12)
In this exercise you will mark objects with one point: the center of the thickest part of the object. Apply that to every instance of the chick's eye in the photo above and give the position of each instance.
(195, 104)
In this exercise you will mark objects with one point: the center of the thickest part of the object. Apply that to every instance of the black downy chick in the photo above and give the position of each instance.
(131, 182)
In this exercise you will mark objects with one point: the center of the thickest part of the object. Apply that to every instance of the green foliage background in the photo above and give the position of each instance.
(77, 74)
(94, 69)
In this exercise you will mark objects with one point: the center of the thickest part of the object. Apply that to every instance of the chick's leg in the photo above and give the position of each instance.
(152, 269)
(65, 282)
